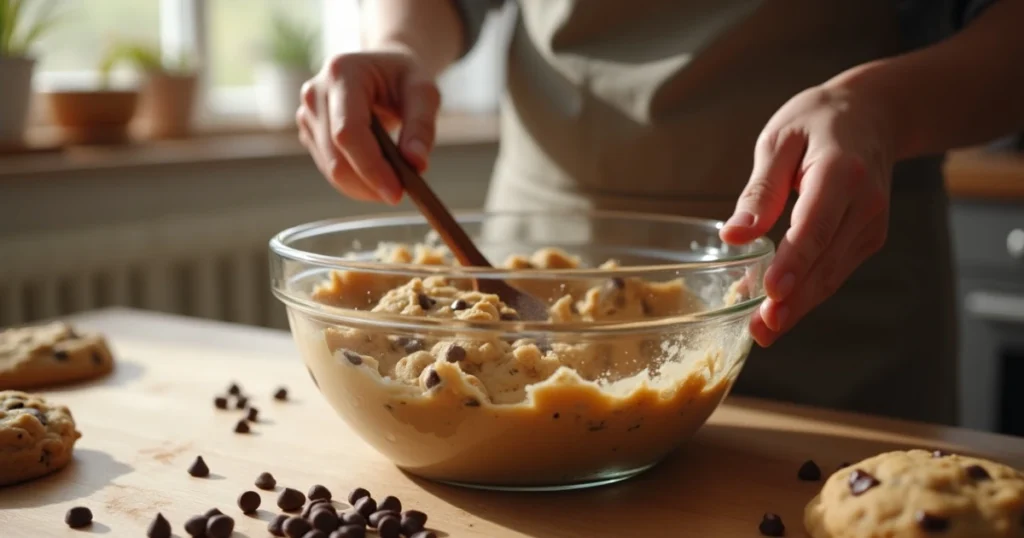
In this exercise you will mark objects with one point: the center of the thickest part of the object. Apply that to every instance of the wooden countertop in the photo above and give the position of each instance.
(978, 173)
(144, 425)
(217, 146)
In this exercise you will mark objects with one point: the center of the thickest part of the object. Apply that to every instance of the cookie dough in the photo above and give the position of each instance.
(481, 407)
(917, 493)
(36, 438)
(51, 354)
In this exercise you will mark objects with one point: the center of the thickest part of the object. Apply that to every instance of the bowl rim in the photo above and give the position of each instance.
(760, 248)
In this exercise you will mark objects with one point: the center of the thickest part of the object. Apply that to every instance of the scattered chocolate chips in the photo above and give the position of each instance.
(315, 533)
(472, 402)
(455, 353)
(290, 500)
(276, 525)
(266, 481)
(357, 494)
(931, 523)
(555, 416)
(771, 525)
(241, 402)
(616, 283)
(412, 345)
(220, 526)
(390, 503)
(366, 506)
(353, 518)
(809, 472)
(281, 394)
(296, 527)
(39, 415)
(97, 358)
(159, 527)
(242, 426)
(425, 301)
(353, 357)
(325, 520)
(234, 389)
(424, 534)
(60, 354)
(319, 492)
(253, 414)
(350, 531)
(249, 501)
(459, 304)
(861, 481)
(389, 527)
(977, 472)
(433, 379)
(413, 521)
(220, 402)
(78, 517)
(199, 469)
(375, 517)
(196, 526)
(15, 405)
(213, 512)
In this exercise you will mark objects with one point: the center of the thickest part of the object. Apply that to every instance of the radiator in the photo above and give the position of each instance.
(213, 267)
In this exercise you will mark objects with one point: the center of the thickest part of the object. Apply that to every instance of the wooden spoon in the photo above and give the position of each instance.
(529, 308)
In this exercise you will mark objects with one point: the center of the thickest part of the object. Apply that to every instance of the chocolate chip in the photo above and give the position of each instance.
(60, 354)
(509, 316)
(253, 413)
(357, 494)
(220, 402)
(809, 471)
(319, 492)
(325, 519)
(366, 506)
(276, 525)
(199, 469)
(413, 345)
(375, 517)
(159, 527)
(353, 357)
(977, 472)
(290, 500)
(15, 405)
(350, 531)
(455, 353)
(352, 517)
(616, 283)
(196, 526)
(555, 416)
(315, 533)
(242, 426)
(266, 481)
(771, 525)
(390, 503)
(281, 394)
(220, 526)
(249, 501)
(472, 402)
(37, 414)
(97, 358)
(939, 454)
(424, 534)
(389, 527)
(459, 304)
(413, 521)
(425, 302)
(295, 527)
(234, 389)
(931, 523)
(78, 517)
(861, 481)
(241, 402)
(213, 512)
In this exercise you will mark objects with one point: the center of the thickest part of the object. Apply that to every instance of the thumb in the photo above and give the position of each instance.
(776, 163)
(420, 103)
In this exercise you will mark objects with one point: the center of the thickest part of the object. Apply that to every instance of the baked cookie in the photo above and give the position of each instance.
(919, 494)
(36, 438)
(50, 354)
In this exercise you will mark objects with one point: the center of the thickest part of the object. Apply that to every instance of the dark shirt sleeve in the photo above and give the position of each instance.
(472, 14)
(968, 10)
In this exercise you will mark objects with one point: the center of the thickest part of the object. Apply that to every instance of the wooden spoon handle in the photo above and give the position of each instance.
(428, 203)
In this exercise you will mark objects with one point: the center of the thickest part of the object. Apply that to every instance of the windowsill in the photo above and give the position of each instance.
(982, 174)
(219, 144)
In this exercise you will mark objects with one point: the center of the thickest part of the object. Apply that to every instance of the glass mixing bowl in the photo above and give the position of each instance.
(451, 385)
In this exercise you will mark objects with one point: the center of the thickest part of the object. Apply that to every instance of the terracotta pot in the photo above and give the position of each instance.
(16, 74)
(94, 117)
(167, 105)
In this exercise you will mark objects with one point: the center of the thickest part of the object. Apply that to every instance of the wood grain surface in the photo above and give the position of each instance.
(143, 426)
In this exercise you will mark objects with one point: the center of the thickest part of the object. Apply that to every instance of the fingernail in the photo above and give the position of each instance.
(781, 314)
(389, 195)
(785, 285)
(741, 219)
(417, 149)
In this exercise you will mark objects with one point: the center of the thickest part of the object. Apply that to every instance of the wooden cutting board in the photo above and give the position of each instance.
(144, 425)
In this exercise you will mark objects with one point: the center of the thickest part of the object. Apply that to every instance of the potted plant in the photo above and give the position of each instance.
(168, 89)
(289, 62)
(19, 30)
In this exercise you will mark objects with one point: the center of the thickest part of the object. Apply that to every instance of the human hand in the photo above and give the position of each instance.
(334, 120)
(833, 147)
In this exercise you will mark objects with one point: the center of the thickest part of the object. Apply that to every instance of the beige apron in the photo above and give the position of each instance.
(654, 106)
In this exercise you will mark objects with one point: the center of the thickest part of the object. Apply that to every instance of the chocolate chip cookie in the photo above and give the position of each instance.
(51, 354)
(918, 493)
(36, 438)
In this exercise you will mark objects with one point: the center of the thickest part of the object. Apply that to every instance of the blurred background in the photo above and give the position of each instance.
(147, 154)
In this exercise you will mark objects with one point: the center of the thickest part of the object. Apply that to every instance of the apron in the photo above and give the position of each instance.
(655, 106)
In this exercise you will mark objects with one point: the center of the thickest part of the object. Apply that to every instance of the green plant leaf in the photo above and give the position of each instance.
(18, 30)
(291, 43)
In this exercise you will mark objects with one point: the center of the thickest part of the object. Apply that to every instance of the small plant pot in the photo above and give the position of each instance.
(279, 88)
(94, 116)
(167, 105)
(16, 74)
